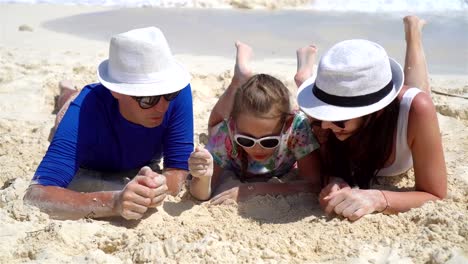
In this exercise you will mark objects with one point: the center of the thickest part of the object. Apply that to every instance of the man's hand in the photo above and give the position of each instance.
(147, 189)
(201, 163)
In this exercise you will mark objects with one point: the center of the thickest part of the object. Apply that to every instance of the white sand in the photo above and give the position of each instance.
(262, 230)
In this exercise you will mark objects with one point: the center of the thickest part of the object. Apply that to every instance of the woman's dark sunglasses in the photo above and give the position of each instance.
(341, 124)
(265, 142)
(147, 102)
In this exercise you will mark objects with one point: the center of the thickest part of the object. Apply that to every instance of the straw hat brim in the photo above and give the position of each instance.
(320, 110)
(174, 79)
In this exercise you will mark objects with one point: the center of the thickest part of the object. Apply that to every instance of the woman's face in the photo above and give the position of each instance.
(258, 127)
(342, 129)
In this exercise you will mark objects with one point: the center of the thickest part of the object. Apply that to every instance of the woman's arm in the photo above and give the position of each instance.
(425, 143)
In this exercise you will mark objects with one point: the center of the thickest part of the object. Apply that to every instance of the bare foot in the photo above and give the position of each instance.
(413, 27)
(416, 73)
(242, 72)
(305, 63)
(67, 93)
(67, 89)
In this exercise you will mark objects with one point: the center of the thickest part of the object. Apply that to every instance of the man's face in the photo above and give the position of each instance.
(131, 110)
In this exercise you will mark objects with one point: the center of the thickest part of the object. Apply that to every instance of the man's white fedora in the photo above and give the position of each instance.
(354, 78)
(141, 64)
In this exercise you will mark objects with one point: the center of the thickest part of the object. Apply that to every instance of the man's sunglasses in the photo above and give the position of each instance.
(147, 102)
(269, 142)
(341, 124)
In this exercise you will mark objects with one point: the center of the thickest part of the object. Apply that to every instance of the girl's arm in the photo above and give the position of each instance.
(247, 190)
(202, 187)
(308, 170)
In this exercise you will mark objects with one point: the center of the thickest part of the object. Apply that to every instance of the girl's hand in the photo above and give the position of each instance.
(334, 185)
(235, 194)
(201, 163)
(354, 203)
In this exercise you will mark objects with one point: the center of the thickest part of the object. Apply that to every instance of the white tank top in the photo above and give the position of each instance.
(403, 157)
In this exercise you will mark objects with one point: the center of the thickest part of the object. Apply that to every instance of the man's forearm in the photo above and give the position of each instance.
(61, 203)
(175, 179)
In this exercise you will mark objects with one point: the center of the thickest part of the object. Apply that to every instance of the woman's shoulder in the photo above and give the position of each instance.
(422, 105)
(421, 115)
(421, 102)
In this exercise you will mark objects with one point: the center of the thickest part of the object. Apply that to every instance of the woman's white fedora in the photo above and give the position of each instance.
(354, 78)
(141, 64)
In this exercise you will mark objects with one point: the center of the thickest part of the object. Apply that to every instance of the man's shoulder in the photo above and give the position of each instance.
(93, 92)
(95, 88)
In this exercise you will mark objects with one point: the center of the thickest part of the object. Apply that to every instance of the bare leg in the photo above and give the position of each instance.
(242, 73)
(305, 63)
(305, 69)
(68, 92)
(416, 74)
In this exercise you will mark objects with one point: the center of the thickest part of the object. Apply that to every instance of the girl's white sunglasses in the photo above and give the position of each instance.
(265, 142)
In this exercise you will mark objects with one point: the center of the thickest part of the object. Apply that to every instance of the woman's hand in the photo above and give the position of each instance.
(334, 185)
(354, 203)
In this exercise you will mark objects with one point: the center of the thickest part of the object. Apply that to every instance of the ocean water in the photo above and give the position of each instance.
(278, 33)
(319, 5)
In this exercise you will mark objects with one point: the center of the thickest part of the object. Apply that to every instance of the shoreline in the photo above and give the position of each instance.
(278, 36)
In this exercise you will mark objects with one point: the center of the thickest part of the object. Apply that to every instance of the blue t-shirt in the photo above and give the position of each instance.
(94, 135)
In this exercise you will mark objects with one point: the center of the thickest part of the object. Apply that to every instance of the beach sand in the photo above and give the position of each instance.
(262, 230)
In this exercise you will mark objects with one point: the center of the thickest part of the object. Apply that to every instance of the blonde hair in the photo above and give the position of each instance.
(261, 95)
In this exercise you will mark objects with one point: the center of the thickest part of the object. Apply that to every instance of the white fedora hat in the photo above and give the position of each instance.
(354, 78)
(141, 64)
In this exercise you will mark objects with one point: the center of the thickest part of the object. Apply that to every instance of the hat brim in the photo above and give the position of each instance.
(320, 110)
(174, 79)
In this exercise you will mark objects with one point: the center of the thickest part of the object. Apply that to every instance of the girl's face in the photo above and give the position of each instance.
(258, 128)
(342, 129)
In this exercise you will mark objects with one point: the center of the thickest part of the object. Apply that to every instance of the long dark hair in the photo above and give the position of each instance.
(261, 94)
(359, 158)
